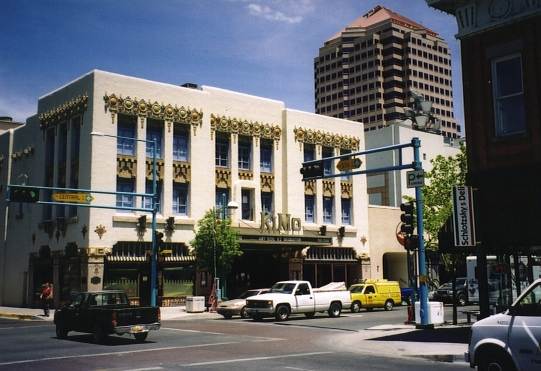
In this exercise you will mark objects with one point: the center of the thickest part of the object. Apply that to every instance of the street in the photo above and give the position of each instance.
(320, 343)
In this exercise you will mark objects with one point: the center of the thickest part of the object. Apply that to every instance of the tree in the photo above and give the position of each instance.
(214, 233)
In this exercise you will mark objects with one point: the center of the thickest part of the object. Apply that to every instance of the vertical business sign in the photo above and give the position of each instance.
(463, 218)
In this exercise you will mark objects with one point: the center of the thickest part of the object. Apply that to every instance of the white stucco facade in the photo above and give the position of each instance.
(76, 249)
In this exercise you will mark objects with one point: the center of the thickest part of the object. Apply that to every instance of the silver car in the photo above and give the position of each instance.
(237, 306)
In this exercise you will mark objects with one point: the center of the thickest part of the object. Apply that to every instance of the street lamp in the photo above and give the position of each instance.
(154, 252)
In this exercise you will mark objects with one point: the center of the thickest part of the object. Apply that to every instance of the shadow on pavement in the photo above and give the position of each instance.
(459, 335)
(110, 340)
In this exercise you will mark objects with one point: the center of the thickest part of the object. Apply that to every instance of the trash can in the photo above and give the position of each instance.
(435, 312)
(195, 304)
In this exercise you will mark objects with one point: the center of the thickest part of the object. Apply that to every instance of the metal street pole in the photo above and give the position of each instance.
(423, 290)
(154, 254)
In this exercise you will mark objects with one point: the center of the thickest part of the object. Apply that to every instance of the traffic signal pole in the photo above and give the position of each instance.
(423, 278)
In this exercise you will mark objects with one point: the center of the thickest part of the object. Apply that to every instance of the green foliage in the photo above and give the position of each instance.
(446, 172)
(214, 232)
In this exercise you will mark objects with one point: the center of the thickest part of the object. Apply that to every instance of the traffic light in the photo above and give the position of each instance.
(312, 170)
(412, 242)
(406, 218)
(159, 238)
(23, 194)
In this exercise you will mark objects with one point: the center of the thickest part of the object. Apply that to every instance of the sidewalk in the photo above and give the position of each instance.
(445, 343)
(167, 313)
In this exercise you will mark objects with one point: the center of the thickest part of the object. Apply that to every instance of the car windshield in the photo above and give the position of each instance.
(248, 293)
(358, 288)
(110, 298)
(283, 287)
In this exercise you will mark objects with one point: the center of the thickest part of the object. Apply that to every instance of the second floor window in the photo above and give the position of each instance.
(266, 155)
(222, 198)
(126, 129)
(180, 143)
(222, 150)
(125, 185)
(180, 198)
(154, 133)
(508, 93)
(147, 201)
(328, 165)
(309, 209)
(346, 211)
(266, 202)
(328, 210)
(309, 152)
(247, 204)
(245, 153)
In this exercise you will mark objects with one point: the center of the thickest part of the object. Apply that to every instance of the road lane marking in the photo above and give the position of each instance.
(297, 368)
(197, 331)
(145, 369)
(116, 353)
(254, 359)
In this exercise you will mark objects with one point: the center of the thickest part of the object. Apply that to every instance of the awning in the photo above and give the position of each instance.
(331, 254)
(281, 240)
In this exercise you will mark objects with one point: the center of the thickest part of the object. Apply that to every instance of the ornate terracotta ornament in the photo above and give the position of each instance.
(326, 139)
(181, 172)
(100, 230)
(310, 187)
(143, 109)
(244, 127)
(126, 166)
(267, 182)
(66, 110)
(328, 188)
(346, 188)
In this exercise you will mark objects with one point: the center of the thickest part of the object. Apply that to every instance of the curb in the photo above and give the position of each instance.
(26, 317)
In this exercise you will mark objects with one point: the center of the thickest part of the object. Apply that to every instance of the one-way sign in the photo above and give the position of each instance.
(415, 178)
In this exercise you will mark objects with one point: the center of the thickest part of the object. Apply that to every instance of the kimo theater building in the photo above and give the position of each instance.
(214, 147)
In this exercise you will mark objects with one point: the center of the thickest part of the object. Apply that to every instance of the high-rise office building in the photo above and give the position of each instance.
(367, 71)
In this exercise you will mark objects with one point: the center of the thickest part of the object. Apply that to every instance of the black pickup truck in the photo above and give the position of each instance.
(103, 313)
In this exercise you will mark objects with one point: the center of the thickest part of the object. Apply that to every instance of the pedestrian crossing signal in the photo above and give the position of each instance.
(312, 170)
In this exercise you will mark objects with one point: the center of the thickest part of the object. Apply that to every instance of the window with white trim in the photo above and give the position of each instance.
(508, 95)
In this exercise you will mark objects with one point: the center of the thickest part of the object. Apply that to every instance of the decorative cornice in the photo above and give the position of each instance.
(64, 111)
(141, 108)
(326, 139)
(244, 127)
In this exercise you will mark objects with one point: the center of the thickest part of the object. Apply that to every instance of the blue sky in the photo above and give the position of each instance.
(259, 47)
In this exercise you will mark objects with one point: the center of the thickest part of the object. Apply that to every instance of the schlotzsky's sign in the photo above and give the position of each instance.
(463, 217)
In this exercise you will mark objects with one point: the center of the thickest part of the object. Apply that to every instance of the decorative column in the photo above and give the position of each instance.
(140, 181)
(256, 170)
(167, 180)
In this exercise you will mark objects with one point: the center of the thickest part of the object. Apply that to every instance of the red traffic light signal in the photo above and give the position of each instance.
(23, 194)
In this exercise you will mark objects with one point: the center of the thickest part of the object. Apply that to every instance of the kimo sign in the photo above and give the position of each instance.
(463, 217)
(279, 223)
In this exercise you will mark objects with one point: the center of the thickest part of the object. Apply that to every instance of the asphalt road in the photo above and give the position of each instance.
(298, 344)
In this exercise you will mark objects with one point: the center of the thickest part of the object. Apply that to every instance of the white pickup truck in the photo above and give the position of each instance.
(289, 297)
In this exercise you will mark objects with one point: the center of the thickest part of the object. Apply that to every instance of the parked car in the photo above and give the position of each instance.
(237, 306)
(103, 313)
(288, 297)
(444, 293)
(510, 340)
(372, 294)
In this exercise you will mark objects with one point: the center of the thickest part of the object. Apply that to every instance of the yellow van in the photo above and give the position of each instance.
(371, 294)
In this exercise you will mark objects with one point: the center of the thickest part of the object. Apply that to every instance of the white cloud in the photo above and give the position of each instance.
(287, 11)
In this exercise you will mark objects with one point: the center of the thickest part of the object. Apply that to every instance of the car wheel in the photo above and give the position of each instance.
(99, 335)
(282, 313)
(334, 310)
(310, 314)
(61, 331)
(461, 300)
(389, 305)
(356, 307)
(243, 313)
(140, 337)
(495, 361)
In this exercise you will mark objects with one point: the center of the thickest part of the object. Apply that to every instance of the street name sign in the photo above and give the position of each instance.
(415, 178)
(463, 217)
(80, 197)
(348, 164)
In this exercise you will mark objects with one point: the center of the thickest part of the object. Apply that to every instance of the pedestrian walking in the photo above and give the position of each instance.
(46, 296)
